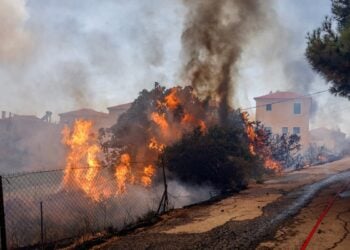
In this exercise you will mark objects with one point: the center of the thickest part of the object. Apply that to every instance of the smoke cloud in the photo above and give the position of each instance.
(65, 55)
(16, 41)
(94, 56)
(213, 39)
(30, 146)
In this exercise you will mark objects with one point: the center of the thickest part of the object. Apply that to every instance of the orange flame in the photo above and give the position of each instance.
(121, 173)
(252, 137)
(250, 132)
(148, 173)
(171, 100)
(81, 162)
(202, 125)
(155, 145)
(160, 120)
(83, 165)
(188, 118)
(273, 165)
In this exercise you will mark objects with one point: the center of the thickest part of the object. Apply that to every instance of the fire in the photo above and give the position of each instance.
(122, 173)
(169, 117)
(148, 173)
(250, 132)
(202, 125)
(92, 162)
(155, 145)
(160, 120)
(82, 171)
(269, 163)
(273, 165)
(188, 118)
(173, 118)
(81, 163)
(171, 100)
(251, 135)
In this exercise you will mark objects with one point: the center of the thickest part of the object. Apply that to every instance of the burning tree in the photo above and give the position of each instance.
(157, 118)
(260, 143)
(174, 123)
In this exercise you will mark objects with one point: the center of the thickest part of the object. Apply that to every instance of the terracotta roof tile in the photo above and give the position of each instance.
(282, 95)
(120, 107)
(84, 112)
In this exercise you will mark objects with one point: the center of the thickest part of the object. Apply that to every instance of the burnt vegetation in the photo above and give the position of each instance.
(285, 149)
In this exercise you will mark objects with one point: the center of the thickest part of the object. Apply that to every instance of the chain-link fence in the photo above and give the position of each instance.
(41, 211)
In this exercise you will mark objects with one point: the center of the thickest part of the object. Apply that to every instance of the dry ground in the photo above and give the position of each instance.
(247, 219)
(333, 232)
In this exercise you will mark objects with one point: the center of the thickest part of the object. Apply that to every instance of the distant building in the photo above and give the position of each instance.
(334, 140)
(100, 119)
(29, 143)
(116, 111)
(285, 112)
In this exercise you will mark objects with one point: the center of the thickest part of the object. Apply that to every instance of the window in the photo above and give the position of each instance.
(297, 108)
(296, 130)
(285, 130)
(268, 129)
(268, 107)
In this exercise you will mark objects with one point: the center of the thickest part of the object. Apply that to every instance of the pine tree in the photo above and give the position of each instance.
(328, 48)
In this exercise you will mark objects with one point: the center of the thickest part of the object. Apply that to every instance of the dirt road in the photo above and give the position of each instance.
(332, 233)
(260, 217)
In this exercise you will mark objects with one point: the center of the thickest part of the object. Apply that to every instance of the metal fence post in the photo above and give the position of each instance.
(42, 225)
(164, 202)
(2, 219)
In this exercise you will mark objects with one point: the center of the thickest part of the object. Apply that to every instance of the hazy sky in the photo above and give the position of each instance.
(61, 55)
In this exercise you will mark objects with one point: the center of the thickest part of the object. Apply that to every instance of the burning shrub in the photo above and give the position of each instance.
(285, 149)
(319, 154)
(157, 118)
(219, 158)
(260, 144)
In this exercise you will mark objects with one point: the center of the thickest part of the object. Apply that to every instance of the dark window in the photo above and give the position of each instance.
(268, 129)
(285, 130)
(297, 108)
(296, 130)
(268, 107)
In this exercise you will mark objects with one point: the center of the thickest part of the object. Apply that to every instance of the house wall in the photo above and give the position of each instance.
(114, 115)
(99, 121)
(282, 115)
(116, 111)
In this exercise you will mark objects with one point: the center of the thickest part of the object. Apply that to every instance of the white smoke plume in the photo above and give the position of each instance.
(16, 40)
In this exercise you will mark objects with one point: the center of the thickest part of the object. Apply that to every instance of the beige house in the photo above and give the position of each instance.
(285, 112)
(118, 110)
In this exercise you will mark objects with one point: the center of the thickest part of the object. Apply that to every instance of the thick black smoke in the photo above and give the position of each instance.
(213, 39)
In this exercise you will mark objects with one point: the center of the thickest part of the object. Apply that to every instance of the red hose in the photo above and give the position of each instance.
(321, 217)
